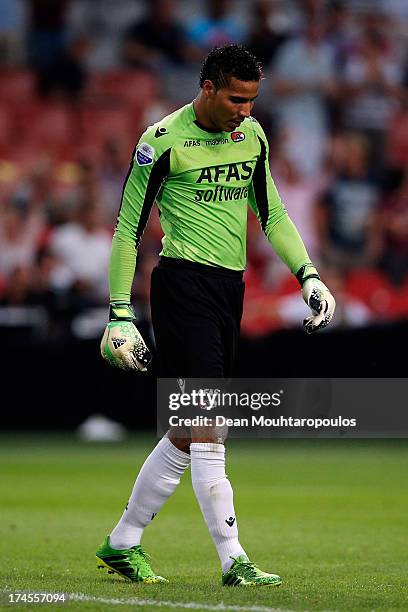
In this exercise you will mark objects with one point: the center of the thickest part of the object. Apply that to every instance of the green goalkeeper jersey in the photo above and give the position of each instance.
(202, 182)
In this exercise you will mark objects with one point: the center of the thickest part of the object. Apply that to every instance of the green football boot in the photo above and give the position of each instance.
(131, 563)
(244, 573)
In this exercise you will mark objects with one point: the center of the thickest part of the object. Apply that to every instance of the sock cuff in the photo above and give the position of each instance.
(207, 449)
(168, 447)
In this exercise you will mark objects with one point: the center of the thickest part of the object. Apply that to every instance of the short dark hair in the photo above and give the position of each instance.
(228, 61)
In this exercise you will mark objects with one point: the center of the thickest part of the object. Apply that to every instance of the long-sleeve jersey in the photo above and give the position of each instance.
(202, 182)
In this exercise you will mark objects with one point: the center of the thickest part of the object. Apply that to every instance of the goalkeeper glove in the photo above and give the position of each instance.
(317, 297)
(122, 345)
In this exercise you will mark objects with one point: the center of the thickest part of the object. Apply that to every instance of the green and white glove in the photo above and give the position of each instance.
(122, 344)
(317, 297)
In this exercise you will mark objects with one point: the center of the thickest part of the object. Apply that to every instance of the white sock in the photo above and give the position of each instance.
(214, 494)
(157, 480)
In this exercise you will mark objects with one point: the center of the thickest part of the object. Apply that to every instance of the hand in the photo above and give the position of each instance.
(322, 303)
(122, 344)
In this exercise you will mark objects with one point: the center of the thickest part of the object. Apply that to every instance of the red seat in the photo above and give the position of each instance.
(288, 284)
(100, 124)
(6, 124)
(48, 124)
(261, 315)
(364, 281)
(21, 153)
(372, 288)
(17, 86)
(131, 86)
(400, 306)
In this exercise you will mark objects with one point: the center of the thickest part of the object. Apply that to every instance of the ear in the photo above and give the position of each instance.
(209, 88)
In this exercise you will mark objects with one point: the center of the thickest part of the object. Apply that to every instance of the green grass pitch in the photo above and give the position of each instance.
(330, 516)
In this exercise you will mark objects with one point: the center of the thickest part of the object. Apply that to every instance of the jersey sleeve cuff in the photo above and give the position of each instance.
(305, 272)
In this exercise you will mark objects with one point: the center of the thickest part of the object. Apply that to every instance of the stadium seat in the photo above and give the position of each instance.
(50, 125)
(373, 289)
(135, 87)
(261, 315)
(97, 124)
(288, 284)
(6, 124)
(20, 160)
(17, 86)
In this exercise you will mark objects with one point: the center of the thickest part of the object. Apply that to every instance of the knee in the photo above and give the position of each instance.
(180, 438)
(211, 434)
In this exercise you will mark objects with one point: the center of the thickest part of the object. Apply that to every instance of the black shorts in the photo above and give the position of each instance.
(196, 315)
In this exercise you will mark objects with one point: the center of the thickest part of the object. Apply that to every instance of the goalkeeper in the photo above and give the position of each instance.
(203, 165)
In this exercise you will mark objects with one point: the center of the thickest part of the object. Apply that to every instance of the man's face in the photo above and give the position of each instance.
(229, 106)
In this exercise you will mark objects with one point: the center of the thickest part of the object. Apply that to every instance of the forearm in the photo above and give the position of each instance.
(121, 269)
(287, 244)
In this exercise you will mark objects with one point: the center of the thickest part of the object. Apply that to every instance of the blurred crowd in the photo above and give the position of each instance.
(80, 80)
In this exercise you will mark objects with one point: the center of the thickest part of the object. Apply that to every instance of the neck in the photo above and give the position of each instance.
(201, 113)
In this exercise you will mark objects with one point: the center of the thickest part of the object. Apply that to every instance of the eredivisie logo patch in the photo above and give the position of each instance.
(144, 154)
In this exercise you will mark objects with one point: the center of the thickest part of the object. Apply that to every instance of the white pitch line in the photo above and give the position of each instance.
(157, 603)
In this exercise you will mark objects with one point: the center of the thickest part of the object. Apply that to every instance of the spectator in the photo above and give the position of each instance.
(47, 32)
(17, 290)
(300, 195)
(372, 77)
(42, 280)
(393, 218)
(312, 9)
(216, 28)
(38, 192)
(261, 261)
(11, 26)
(340, 32)
(65, 77)
(157, 40)
(86, 191)
(56, 56)
(396, 12)
(83, 249)
(303, 78)
(395, 9)
(347, 209)
(110, 176)
(20, 234)
(397, 136)
(268, 31)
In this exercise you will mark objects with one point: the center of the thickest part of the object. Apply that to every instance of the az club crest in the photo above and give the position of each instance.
(237, 136)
